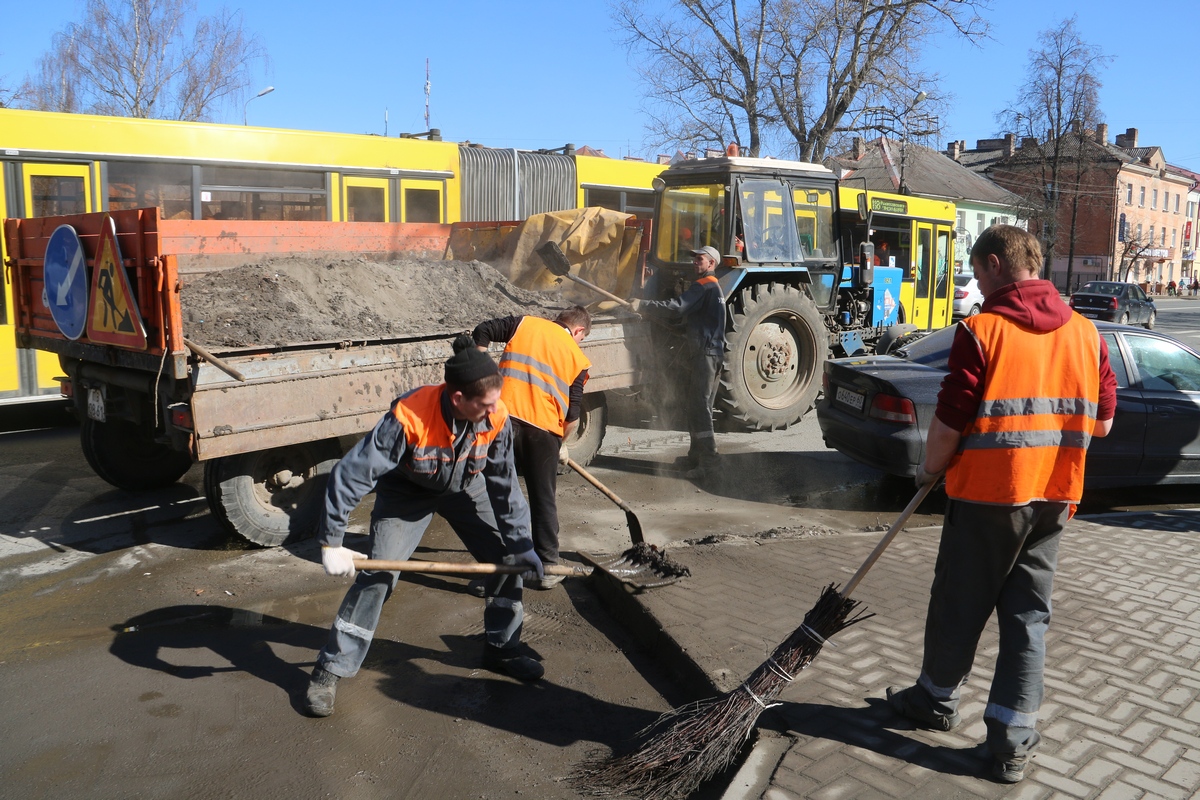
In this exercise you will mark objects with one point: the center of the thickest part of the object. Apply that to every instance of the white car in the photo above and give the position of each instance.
(968, 300)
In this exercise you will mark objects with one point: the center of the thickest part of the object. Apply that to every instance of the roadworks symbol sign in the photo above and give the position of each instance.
(113, 317)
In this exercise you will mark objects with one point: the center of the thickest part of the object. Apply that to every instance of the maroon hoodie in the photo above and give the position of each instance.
(1033, 304)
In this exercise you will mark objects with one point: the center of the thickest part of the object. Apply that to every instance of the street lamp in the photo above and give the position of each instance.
(268, 90)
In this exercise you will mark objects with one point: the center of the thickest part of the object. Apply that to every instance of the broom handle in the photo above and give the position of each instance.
(466, 568)
(921, 494)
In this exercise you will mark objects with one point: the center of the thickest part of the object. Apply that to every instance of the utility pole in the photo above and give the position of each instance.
(427, 94)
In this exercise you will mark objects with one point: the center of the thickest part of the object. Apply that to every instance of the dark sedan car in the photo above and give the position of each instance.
(1114, 301)
(877, 409)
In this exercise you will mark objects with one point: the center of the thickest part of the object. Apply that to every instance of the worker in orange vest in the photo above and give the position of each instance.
(427, 455)
(1029, 385)
(544, 375)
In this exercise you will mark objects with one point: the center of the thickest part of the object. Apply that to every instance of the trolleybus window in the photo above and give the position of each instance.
(242, 193)
(57, 194)
(422, 205)
(167, 186)
(365, 204)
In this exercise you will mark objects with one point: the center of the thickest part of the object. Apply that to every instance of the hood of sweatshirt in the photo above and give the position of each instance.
(1033, 304)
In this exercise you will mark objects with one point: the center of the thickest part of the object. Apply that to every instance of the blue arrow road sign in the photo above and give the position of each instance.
(66, 281)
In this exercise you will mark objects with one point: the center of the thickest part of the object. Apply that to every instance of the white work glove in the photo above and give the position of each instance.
(527, 558)
(563, 454)
(339, 560)
(924, 478)
(636, 305)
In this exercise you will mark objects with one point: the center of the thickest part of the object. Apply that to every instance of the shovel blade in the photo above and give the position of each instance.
(635, 528)
(554, 259)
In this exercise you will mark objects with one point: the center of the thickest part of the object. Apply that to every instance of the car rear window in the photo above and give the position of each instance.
(963, 280)
(932, 350)
(1111, 289)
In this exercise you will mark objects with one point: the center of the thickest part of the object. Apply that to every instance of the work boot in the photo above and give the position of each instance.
(509, 661)
(709, 464)
(541, 584)
(1010, 769)
(322, 686)
(910, 704)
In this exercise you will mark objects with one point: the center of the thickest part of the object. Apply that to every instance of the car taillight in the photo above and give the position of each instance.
(893, 409)
(1071, 302)
(1112, 303)
(959, 294)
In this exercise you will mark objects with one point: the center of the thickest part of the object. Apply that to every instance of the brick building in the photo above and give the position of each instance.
(1122, 210)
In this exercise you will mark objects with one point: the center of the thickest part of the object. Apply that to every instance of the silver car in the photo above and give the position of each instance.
(968, 300)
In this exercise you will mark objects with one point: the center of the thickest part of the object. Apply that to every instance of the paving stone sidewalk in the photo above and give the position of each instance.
(1122, 713)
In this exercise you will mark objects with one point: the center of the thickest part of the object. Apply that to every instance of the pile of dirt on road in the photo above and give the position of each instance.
(297, 299)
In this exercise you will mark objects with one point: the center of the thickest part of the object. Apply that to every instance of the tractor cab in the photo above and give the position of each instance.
(765, 216)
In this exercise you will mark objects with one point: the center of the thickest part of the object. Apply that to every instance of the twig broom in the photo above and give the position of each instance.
(689, 745)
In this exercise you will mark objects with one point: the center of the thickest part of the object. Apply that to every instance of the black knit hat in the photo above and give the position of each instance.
(469, 365)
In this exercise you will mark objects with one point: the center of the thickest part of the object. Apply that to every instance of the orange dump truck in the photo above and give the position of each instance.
(265, 420)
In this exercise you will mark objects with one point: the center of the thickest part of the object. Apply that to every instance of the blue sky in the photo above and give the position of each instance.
(541, 74)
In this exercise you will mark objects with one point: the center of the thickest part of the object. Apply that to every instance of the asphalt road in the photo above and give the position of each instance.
(202, 692)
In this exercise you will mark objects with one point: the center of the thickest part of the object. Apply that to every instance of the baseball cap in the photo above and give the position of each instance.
(711, 252)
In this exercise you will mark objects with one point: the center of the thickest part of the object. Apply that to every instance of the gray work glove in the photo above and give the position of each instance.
(527, 558)
(924, 478)
(339, 560)
(636, 305)
(563, 454)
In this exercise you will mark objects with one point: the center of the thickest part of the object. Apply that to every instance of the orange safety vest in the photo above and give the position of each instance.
(430, 459)
(1029, 439)
(539, 365)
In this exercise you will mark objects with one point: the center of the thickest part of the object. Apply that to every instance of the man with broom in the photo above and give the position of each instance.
(1029, 385)
(427, 454)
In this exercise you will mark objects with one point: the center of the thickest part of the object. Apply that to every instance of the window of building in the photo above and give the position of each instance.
(1163, 243)
(1166, 200)
(1129, 194)
(1177, 202)
(1139, 233)
(979, 224)
(1142, 196)
(1174, 231)
(1151, 240)
(1154, 199)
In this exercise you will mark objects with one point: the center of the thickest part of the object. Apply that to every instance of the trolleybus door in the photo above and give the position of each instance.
(930, 271)
(367, 200)
(44, 190)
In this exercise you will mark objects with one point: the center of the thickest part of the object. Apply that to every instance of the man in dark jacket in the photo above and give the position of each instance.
(1029, 385)
(702, 309)
(427, 455)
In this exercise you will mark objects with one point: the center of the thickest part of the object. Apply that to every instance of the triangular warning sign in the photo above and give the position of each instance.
(113, 317)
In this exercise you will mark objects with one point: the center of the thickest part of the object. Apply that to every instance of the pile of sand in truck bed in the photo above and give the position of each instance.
(296, 299)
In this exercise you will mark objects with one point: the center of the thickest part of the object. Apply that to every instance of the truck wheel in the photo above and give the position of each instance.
(584, 442)
(269, 497)
(126, 455)
(774, 356)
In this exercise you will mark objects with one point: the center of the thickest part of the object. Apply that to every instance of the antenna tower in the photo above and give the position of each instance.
(427, 94)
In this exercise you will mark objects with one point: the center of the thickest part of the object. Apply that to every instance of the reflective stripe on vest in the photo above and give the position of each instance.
(1029, 439)
(539, 365)
(430, 457)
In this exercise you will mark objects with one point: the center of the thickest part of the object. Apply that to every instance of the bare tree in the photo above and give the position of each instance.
(1057, 106)
(790, 74)
(146, 58)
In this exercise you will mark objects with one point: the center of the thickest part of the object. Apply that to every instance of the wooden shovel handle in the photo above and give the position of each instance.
(587, 476)
(921, 494)
(598, 290)
(466, 568)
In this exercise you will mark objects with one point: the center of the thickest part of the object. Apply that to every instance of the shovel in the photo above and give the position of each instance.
(635, 527)
(642, 567)
(556, 262)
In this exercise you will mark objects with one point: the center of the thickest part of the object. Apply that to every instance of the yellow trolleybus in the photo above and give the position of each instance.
(54, 164)
(915, 234)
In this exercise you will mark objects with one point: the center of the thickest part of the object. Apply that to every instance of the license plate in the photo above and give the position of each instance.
(1091, 314)
(96, 404)
(849, 398)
